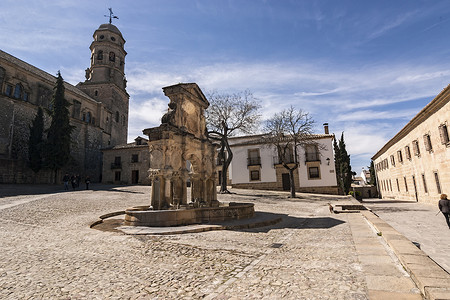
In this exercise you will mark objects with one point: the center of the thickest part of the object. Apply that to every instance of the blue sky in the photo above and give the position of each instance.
(365, 67)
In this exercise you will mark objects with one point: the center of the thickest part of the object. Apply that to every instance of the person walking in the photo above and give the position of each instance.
(444, 207)
(66, 179)
(87, 181)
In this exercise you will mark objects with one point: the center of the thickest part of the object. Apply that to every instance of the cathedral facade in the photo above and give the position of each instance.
(98, 109)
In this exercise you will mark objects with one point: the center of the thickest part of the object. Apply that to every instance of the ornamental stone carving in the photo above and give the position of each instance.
(180, 151)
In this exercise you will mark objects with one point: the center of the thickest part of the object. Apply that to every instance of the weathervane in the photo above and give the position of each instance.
(111, 15)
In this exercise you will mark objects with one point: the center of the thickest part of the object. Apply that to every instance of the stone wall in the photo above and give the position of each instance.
(416, 176)
(94, 128)
(276, 186)
(127, 166)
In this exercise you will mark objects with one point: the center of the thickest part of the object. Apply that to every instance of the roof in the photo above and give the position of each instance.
(265, 138)
(110, 27)
(38, 72)
(437, 103)
(130, 145)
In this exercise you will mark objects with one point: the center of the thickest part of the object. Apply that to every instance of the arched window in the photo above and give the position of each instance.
(117, 116)
(88, 117)
(100, 55)
(17, 91)
(112, 56)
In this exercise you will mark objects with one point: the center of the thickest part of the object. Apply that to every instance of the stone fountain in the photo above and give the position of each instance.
(182, 153)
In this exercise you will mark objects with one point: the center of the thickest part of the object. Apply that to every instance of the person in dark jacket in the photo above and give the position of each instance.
(87, 181)
(444, 207)
(66, 179)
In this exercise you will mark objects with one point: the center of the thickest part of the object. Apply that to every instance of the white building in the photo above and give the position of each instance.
(255, 165)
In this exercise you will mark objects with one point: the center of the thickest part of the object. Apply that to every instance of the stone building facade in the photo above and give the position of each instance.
(256, 165)
(415, 164)
(127, 163)
(98, 110)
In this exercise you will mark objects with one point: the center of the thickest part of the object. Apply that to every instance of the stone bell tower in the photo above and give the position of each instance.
(106, 83)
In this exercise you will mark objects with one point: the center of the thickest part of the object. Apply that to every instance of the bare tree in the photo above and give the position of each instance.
(227, 115)
(287, 131)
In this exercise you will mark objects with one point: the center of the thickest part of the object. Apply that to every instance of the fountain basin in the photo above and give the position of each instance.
(142, 216)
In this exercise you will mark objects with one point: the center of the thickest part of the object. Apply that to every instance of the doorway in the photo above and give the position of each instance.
(135, 176)
(415, 188)
(286, 181)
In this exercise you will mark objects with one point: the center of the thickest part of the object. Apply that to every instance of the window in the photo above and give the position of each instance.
(443, 132)
(8, 91)
(134, 158)
(438, 184)
(117, 176)
(406, 184)
(398, 185)
(25, 96)
(416, 149)
(393, 160)
(253, 157)
(76, 107)
(424, 184)
(288, 156)
(254, 175)
(17, 91)
(312, 153)
(117, 116)
(123, 120)
(407, 152)
(313, 172)
(96, 93)
(112, 56)
(427, 141)
(399, 156)
(100, 55)
(117, 161)
(88, 117)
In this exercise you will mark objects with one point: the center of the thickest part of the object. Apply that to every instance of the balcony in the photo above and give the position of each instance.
(116, 166)
(254, 161)
(312, 157)
(289, 159)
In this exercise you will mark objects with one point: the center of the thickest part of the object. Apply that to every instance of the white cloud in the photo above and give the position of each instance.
(367, 115)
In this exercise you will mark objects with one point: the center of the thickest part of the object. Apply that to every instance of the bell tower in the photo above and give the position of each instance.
(106, 83)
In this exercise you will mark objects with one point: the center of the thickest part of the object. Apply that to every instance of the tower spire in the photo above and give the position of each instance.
(111, 15)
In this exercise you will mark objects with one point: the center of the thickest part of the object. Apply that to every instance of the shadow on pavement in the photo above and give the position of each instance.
(296, 223)
(386, 201)
(394, 209)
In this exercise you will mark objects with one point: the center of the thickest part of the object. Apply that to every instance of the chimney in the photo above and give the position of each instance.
(325, 127)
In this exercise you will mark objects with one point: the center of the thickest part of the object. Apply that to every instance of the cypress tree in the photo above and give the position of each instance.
(58, 135)
(373, 178)
(343, 167)
(35, 143)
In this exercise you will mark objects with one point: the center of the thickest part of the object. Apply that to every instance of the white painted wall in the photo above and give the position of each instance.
(327, 172)
(239, 170)
(240, 174)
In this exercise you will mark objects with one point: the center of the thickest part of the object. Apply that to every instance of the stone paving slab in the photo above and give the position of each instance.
(49, 252)
(431, 278)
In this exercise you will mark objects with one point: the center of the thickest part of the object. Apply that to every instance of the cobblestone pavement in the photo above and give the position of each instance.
(48, 250)
(418, 222)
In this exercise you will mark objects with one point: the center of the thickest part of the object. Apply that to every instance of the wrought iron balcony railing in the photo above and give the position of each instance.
(254, 161)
